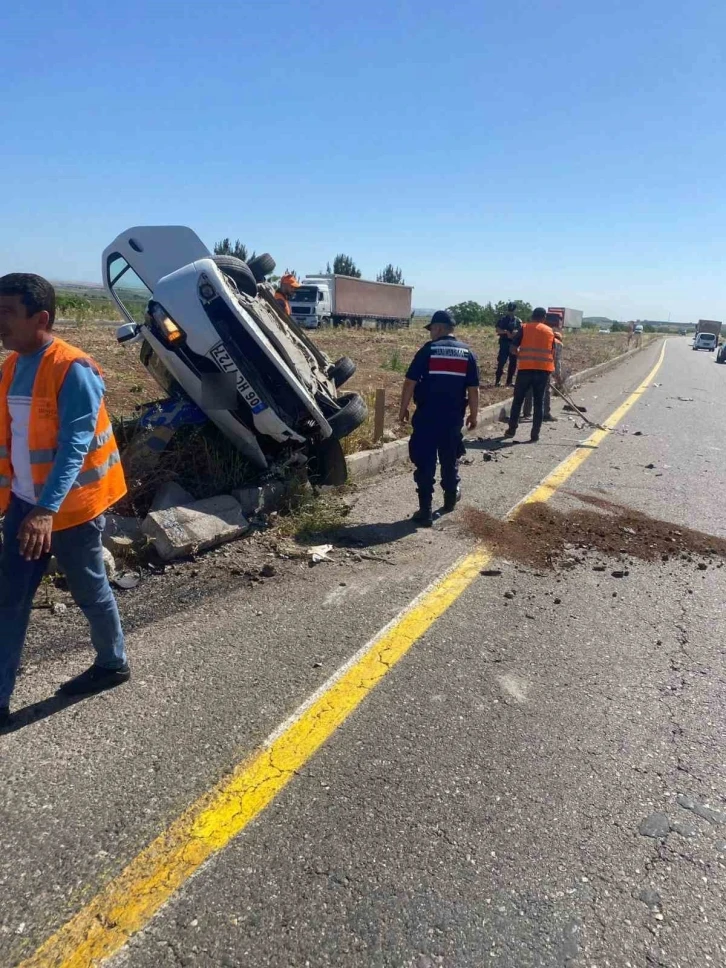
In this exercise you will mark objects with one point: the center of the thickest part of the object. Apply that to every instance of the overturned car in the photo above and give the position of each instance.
(210, 329)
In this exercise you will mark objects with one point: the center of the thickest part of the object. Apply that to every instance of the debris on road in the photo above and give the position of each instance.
(127, 580)
(320, 553)
(58, 608)
(656, 825)
(541, 536)
(491, 572)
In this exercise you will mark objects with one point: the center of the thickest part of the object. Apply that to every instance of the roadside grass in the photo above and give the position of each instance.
(394, 363)
(198, 458)
(310, 514)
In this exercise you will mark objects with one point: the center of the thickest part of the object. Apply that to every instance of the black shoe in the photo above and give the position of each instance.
(95, 679)
(4, 716)
(508, 434)
(534, 438)
(548, 418)
(451, 499)
(424, 516)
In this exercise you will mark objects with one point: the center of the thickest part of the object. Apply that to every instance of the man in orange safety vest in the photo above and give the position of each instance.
(60, 471)
(535, 361)
(285, 289)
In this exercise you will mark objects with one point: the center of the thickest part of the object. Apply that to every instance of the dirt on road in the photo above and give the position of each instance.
(542, 537)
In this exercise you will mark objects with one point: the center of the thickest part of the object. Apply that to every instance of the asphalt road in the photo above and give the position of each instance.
(490, 803)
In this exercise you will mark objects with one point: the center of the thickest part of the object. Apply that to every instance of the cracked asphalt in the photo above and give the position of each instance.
(539, 782)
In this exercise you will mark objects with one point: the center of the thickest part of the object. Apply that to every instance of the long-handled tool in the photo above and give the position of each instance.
(568, 399)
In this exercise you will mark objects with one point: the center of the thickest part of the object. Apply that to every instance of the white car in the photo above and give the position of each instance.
(211, 331)
(705, 341)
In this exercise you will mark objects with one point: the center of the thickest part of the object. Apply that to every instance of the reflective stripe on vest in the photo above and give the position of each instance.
(45, 455)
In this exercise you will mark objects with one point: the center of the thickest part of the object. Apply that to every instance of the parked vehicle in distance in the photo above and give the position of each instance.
(571, 318)
(210, 330)
(638, 328)
(604, 331)
(333, 300)
(705, 341)
(721, 355)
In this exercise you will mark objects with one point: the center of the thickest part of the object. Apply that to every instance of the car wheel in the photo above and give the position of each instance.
(341, 371)
(326, 464)
(353, 412)
(239, 272)
(261, 266)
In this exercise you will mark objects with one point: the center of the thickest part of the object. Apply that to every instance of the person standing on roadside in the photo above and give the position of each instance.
(442, 380)
(535, 361)
(60, 471)
(554, 321)
(285, 291)
(507, 327)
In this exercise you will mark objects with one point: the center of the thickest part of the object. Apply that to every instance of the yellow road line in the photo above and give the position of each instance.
(131, 899)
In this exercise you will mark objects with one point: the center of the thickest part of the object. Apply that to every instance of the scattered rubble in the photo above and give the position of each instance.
(188, 529)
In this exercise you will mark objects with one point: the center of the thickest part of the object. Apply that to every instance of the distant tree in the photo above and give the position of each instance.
(469, 313)
(523, 310)
(328, 270)
(343, 265)
(389, 274)
(616, 327)
(238, 250)
(649, 328)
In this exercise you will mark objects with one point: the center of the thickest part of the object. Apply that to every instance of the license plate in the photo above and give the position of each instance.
(225, 362)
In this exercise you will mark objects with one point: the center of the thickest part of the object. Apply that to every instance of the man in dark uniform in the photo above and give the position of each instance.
(507, 327)
(442, 379)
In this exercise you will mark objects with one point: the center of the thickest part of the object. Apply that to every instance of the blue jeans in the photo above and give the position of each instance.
(79, 552)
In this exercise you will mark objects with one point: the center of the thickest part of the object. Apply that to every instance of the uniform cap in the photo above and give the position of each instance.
(441, 317)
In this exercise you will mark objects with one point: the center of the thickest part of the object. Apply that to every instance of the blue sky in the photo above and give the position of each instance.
(563, 152)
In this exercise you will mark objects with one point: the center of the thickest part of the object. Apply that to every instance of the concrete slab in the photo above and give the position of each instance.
(170, 495)
(185, 530)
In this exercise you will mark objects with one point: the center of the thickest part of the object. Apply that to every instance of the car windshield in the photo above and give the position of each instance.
(130, 291)
(305, 294)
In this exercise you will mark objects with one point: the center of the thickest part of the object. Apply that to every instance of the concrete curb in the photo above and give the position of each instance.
(368, 463)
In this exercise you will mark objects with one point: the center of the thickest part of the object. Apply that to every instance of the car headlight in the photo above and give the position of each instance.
(165, 327)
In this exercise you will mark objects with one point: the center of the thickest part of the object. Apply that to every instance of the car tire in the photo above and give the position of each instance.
(352, 413)
(326, 464)
(261, 266)
(239, 272)
(341, 371)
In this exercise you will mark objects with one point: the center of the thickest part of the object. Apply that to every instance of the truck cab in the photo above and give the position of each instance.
(311, 305)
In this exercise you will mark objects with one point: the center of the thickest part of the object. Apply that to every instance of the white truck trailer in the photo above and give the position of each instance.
(333, 300)
(571, 318)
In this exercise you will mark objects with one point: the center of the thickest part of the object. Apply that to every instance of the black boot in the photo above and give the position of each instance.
(424, 516)
(451, 498)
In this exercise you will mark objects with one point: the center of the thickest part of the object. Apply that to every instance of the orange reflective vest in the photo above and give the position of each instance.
(536, 351)
(100, 482)
(282, 300)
